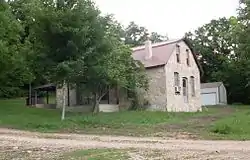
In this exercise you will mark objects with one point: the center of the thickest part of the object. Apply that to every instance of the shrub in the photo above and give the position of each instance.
(222, 129)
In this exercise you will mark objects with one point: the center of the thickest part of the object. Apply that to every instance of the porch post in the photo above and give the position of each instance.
(35, 98)
(47, 97)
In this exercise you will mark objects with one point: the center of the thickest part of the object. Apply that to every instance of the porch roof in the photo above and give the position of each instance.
(46, 87)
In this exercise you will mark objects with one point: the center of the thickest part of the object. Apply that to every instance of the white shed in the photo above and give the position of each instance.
(213, 94)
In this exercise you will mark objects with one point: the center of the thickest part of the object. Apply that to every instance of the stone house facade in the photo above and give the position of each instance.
(174, 78)
(174, 75)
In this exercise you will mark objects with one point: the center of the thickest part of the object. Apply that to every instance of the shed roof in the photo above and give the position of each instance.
(211, 85)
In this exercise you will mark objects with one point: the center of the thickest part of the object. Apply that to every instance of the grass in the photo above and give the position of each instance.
(236, 126)
(14, 114)
(213, 123)
(97, 154)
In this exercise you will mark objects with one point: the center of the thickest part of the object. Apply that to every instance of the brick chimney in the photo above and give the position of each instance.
(148, 48)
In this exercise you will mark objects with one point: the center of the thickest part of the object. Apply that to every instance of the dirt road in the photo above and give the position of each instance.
(47, 146)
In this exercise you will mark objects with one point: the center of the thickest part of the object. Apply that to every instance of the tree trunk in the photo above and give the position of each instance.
(96, 108)
(64, 99)
(97, 99)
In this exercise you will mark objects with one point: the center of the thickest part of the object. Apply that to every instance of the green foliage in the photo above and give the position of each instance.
(74, 43)
(222, 129)
(223, 45)
(67, 40)
(221, 53)
(14, 71)
(46, 41)
(213, 42)
(136, 35)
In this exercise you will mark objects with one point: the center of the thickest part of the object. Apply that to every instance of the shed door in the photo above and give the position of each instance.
(208, 99)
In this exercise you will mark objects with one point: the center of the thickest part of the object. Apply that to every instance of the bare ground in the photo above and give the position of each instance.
(29, 145)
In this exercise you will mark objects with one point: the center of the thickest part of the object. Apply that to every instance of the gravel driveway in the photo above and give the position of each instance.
(28, 145)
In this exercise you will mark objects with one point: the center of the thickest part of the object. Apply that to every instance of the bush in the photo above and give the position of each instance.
(222, 129)
(11, 92)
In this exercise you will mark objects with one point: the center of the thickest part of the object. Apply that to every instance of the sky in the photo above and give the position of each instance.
(168, 17)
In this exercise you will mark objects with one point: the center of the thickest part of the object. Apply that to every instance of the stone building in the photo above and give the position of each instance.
(174, 79)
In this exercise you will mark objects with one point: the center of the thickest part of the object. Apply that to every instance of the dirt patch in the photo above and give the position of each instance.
(186, 155)
(19, 152)
(27, 146)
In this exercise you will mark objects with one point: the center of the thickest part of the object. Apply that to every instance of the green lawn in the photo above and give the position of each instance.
(236, 126)
(217, 122)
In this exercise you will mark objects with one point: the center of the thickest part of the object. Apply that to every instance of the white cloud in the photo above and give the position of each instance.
(174, 17)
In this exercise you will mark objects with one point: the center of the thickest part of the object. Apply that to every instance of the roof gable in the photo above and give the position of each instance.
(162, 52)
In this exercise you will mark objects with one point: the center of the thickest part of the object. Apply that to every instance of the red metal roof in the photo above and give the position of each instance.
(161, 53)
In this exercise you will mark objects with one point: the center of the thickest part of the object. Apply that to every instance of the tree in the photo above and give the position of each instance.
(215, 44)
(14, 71)
(26, 12)
(109, 65)
(243, 46)
(64, 31)
(63, 34)
(78, 46)
(156, 37)
(221, 53)
(136, 35)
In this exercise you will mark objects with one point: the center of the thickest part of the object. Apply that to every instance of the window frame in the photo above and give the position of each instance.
(192, 85)
(176, 79)
(185, 79)
(188, 57)
(178, 52)
(177, 83)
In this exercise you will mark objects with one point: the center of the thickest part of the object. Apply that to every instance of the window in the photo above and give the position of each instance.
(177, 87)
(176, 79)
(178, 51)
(185, 89)
(192, 86)
(188, 59)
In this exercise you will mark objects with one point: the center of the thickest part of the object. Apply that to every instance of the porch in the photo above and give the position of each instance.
(42, 96)
(78, 101)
